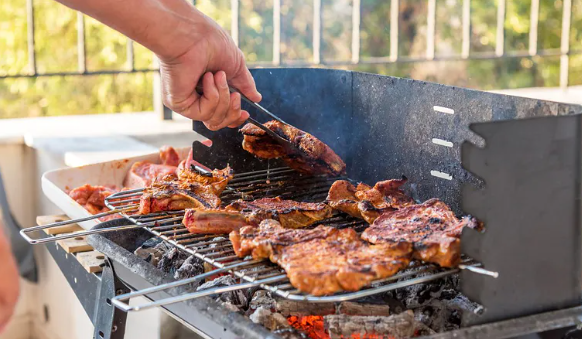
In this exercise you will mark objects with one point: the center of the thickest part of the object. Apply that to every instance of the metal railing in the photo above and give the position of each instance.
(564, 52)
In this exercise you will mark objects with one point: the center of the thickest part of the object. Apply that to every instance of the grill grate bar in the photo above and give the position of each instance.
(217, 250)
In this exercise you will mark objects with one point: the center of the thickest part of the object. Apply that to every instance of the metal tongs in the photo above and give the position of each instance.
(282, 141)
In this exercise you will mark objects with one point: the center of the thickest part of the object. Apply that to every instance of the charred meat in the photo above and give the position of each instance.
(291, 214)
(431, 227)
(323, 260)
(188, 190)
(314, 157)
(368, 202)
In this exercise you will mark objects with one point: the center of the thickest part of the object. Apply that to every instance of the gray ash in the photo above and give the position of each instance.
(191, 267)
(172, 260)
(238, 298)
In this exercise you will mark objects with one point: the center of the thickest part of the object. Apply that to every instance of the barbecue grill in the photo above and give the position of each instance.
(513, 163)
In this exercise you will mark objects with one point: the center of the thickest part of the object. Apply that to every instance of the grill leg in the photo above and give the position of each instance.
(109, 321)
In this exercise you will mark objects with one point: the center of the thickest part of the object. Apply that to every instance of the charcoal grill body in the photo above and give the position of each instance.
(524, 184)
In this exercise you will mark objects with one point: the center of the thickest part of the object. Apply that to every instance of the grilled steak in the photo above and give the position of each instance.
(291, 214)
(368, 202)
(315, 156)
(143, 173)
(188, 190)
(323, 260)
(431, 227)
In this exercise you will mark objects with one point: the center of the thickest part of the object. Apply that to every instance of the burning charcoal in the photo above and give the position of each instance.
(191, 267)
(400, 325)
(352, 308)
(238, 298)
(291, 333)
(299, 308)
(262, 298)
(172, 260)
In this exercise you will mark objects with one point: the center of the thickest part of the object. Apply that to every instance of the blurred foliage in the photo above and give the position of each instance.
(56, 48)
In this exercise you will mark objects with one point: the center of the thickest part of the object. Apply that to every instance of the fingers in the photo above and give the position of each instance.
(244, 115)
(223, 107)
(244, 82)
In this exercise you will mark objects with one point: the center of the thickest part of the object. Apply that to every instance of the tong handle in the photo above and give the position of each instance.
(75, 234)
(119, 301)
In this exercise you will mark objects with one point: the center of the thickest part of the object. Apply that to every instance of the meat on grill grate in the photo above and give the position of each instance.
(315, 156)
(291, 214)
(368, 202)
(431, 227)
(187, 190)
(323, 260)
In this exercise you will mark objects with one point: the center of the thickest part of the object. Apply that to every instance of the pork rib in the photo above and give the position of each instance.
(323, 260)
(431, 227)
(368, 202)
(291, 214)
(314, 157)
(188, 190)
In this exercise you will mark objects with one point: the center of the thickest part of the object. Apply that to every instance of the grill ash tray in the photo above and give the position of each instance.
(209, 316)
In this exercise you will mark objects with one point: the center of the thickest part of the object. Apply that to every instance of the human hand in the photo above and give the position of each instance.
(213, 60)
(8, 281)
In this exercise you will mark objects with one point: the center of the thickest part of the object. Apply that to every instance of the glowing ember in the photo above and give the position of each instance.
(313, 326)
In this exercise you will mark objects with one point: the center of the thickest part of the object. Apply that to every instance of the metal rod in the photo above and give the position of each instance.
(61, 74)
(162, 287)
(81, 234)
(500, 36)
(30, 36)
(276, 32)
(394, 24)
(234, 20)
(81, 50)
(466, 47)
(198, 294)
(430, 31)
(317, 29)
(356, 21)
(130, 55)
(565, 43)
(533, 27)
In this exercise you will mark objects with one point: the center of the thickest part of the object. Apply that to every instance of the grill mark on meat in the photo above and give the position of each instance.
(323, 260)
(431, 227)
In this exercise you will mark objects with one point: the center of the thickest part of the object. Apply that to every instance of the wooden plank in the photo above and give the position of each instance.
(75, 245)
(49, 219)
(91, 261)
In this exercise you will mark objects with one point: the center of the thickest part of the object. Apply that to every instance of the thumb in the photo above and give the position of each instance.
(245, 83)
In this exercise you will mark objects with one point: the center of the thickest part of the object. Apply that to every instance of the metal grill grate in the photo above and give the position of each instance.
(217, 249)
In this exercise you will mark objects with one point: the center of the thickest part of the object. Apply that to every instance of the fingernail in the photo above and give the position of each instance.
(222, 80)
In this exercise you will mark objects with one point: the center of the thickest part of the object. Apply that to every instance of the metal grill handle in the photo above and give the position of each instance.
(118, 301)
(24, 232)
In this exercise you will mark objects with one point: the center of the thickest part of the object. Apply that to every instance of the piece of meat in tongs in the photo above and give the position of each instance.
(291, 214)
(368, 202)
(431, 227)
(187, 189)
(309, 154)
(323, 260)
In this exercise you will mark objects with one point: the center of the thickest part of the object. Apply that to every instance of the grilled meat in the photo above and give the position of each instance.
(213, 221)
(188, 190)
(143, 173)
(291, 214)
(368, 202)
(323, 260)
(314, 157)
(431, 227)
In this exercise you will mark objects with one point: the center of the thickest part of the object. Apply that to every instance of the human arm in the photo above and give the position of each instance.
(192, 48)
(9, 283)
